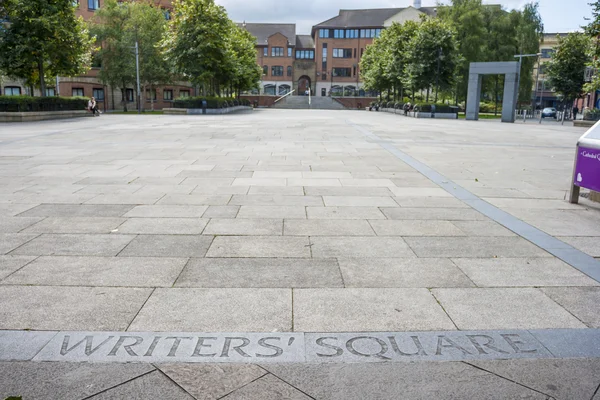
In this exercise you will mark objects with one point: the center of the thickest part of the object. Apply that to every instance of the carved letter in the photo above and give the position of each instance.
(128, 347)
(416, 341)
(489, 344)
(380, 354)
(227, 344)
(200, 344)
(450, 345)
(88, 345)
(263, 342)
(176, 342)
(338, 350)
(514, 343)
(152, 346)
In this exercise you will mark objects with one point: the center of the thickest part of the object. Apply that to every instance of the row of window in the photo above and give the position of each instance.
(276, 70)
(343, 53)
(305, 54)
(16, 91)
(167, 94)
(271, 89)
(98, 93)
(349, 33)
(276, 51)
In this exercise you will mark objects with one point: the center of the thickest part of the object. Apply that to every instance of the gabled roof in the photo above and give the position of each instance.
(263, 31)
(368, 18)
(305, 42)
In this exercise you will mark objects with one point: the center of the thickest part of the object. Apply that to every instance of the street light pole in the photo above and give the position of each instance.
(137, 71)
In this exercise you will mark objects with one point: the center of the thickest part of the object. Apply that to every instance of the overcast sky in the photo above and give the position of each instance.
(558, 15)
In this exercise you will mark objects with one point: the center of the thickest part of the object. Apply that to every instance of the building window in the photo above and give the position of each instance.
(354, 53)
(276, 70)
(342, 72)
(270, 89)
(151, 94)
(354, 70)
(266, 51)
(77, 92)
(289, 51)
(377, 33)
(342, 53)
(276, 51)
(283, 89)
(93, 4)
(265, 70)
(12, 91)
(324, 57)
(324, 76)
(370, 33)
(184, 93)
(168, 94)
(305, 54)
(289, 71)
(98, 94)
(543, 69)
(50, 92)
(547, 53)
(324, 33)
(339, 33)
(129, 95)
(352, 33)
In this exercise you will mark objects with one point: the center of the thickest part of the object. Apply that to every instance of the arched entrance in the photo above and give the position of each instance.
(303, 85)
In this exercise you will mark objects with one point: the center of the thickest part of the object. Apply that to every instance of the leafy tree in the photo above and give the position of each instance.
(374, 65)
(245, 73)
(433, 47)
(566, 70)
(593, 32)
(529, 33)
(43, 39)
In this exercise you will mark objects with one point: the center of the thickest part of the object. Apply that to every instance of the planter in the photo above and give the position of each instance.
(582, 123)
(41, 116)
(209, 111)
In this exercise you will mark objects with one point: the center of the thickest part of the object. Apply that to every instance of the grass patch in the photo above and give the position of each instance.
(482, 116)
(132, 112)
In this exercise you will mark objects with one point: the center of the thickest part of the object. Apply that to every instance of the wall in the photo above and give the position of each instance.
(276, 40)
(359, 44)
(263, 101)
(355, 102)
(305, 68)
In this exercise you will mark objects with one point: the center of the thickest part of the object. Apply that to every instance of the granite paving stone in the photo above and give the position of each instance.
(154, 385)
(276, 200)
(74, 245)
(195, 199)
(69, 308)
(344, 246)
(132, 199)
(75, 225)
(167, 246)
(367, 182)
(415, 228)
(314, 182)
(260, 273)
(212, 381)
(325, 227)
(344, 213)
(286, 212)
(468, 247)
(579, 301)
(9, 264)
(99, 271)
(259, 246)
(505, 272)
(442, 214)
(424, 192)
(241, 227)
(483, 228)
(164, 226)
(429, 202)
(216, 310)
(22, 345)
(368, 310)
(359, 201)
(260, 182)
(279, 190)
(589, 245)
(221, 212)
(16, 224)
(402, 273)
(77, 210)
(161, 211)
(503, 308)
(268, 387)
(345, 191)
(60, 381)
(12, 209)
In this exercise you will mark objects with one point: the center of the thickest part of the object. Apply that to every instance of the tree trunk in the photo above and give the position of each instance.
(152, 97)
(42, 80)
(427, 101)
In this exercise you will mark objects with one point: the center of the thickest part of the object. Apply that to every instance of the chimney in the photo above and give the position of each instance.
(417, 4)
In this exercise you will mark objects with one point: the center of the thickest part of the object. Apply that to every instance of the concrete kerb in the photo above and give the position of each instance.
(41, 115)
(209, 111)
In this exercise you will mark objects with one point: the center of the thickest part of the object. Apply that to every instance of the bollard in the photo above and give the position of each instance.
(204, 106)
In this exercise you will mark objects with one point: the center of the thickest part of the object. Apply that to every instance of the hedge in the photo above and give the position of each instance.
(36, 104)
(211, 102)
(439, 108)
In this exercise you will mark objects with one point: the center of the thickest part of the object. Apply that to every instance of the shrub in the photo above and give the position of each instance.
(439, 108)
(591, 115)
(36, 104)
(489, 107)
(211, 102)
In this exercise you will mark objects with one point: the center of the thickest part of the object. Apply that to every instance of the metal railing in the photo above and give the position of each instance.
(285, 95)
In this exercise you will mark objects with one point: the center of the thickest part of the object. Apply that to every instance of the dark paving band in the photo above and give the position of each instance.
(293, 347)
(572, 256)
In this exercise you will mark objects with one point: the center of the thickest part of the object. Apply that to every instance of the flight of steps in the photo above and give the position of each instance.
(301, 102)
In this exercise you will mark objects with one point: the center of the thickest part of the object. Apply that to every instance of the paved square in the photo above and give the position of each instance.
(289, 220)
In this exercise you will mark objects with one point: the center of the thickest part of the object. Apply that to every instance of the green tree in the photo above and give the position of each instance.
(529, 33)
(593, 32)
(566, 70)
(43, 39)
(432, 55)
(374, 66)
(245, 73)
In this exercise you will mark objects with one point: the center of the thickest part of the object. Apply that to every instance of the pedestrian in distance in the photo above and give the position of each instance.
(93, 107)
(575, 111)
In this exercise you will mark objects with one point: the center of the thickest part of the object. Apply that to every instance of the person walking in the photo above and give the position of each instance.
(575, 111)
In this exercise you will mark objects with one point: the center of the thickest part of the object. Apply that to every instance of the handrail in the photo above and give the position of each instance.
(285, 95)
(309, 94)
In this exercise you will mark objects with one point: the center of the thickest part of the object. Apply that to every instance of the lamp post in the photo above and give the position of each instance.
(520, 57)
(137, 72)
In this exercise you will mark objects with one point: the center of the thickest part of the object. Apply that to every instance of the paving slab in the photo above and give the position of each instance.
(76, 225)
(324, 227)
(278, 190)
(260, 273)
(589, 245)
(59, 381)
(483, 228)
(167, 246)
(154, 385)
(344, 213)
(359, 201)
(503, 308)
(99, 271)
(9, 264)
(415, 228)
(75, 245)
(276, 200)
(359, 247)
(221, 212)
(287, 212)
(505, 272)
(11, 241)
(259, 246)
(402, 273)
(367, 310)
(345, 191)
(16, 224)
(194, 199)
(480, 247)
(216, 310)
(164, 226)
(579, 301)
(443, 214)
(268, 387)
(64, 308)
(241, 227)
(211, 382)
(12, 209)
(77, 210)
(22, 345)
(160, 211)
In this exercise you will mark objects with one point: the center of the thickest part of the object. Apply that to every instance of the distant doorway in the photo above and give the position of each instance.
(323, 92)
(303, 85)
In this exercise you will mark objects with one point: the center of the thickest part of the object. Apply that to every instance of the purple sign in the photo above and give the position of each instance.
(587, 170)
